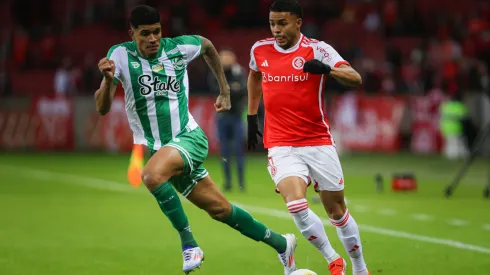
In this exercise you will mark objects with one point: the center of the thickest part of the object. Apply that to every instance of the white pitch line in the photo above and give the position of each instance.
(387, 212)
(125, 188)
(46, 175)
(421, 217)
(486, 227)
(359, 208)
(456, 222)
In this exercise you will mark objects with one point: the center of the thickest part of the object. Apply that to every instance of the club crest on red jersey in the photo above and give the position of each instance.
(298, 63)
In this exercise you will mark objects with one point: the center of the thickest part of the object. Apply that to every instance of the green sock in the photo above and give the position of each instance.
(242, 221)
(171, 206)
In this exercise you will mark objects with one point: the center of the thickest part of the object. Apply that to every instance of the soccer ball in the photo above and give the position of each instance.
(303, 272)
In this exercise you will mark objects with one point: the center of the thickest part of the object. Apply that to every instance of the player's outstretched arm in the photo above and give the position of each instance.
(105, 94)
(346, 75)
(254, 85)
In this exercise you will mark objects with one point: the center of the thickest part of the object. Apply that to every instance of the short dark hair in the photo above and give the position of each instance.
(144, 15)
(291, 6)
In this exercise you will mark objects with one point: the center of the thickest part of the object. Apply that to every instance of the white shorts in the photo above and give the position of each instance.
(314, 164)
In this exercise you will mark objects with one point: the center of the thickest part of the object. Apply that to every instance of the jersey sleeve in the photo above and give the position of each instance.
(190, 46)
(114, 54)
(328, 55)
(253, 63)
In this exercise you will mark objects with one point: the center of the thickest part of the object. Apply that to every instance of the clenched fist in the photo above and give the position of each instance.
(107, 68)
(223, 103)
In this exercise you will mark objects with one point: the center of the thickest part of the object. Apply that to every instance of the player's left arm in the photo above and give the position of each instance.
(328, 61)
(346, 75)
(211, 57)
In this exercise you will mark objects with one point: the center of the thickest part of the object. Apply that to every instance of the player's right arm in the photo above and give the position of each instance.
(254, 84)
(105, 94)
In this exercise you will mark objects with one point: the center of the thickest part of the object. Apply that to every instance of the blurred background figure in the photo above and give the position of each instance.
(64, 79)
(453, 115)
(230, 125)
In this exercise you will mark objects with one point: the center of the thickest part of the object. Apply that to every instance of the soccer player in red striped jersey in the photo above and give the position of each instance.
(290, 70)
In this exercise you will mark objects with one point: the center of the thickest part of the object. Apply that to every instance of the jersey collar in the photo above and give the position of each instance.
(290, 50)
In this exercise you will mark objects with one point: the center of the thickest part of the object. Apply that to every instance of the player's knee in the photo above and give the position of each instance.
(337, 214)
(152, 179)
(219, 210)
(335, 211)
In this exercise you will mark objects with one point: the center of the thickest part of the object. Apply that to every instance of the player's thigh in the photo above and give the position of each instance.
(162, 165)
(324, 166)
(289, 172)
(185, 183)
(327, 175)
(193, 148)
(207, 196)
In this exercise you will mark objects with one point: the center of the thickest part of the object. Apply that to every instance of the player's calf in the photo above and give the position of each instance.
(207, 196)
(312, 228)
(218, 208)
(346, 226)
(293, 191)
(159, 169)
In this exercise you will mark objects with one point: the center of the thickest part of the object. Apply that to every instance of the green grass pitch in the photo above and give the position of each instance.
(74, 214)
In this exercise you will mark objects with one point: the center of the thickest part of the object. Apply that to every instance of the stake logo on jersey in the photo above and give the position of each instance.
(158, 87)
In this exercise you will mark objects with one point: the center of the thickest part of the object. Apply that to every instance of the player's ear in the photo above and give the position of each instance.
(299, 22)
(131, 33)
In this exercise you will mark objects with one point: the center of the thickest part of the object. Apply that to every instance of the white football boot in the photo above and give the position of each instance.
(193, 258)
(287, 258)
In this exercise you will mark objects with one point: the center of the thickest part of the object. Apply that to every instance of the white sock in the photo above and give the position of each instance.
(312, 228)
(349, 235)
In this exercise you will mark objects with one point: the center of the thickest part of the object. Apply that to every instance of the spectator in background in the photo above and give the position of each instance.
(64, 82)
(230, 124)
(372, 21)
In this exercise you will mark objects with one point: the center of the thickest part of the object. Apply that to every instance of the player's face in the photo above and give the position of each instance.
(285, 28)
(147, 38)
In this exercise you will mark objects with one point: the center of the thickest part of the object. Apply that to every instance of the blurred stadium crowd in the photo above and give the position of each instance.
(398, 46)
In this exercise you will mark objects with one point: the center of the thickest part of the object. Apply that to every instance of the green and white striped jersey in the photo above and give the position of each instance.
(156, 90)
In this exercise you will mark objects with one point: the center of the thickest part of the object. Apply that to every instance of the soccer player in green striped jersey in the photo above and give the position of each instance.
(152, 71)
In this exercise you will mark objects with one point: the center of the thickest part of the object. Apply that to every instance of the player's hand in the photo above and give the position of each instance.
(223, 103)
(107, 68)
(315, 66)
(253, 131)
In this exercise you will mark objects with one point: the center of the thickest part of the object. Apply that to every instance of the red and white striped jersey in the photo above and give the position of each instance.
(293, 100)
